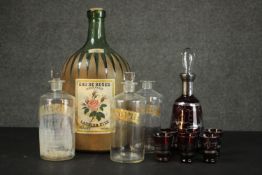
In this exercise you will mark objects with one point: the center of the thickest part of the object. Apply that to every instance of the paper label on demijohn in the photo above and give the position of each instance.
(93, 111)
(127, 116)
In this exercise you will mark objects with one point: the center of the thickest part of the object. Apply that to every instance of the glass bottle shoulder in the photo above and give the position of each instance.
(129, 96)
(187, 99)
(57, 95)
(149, 93)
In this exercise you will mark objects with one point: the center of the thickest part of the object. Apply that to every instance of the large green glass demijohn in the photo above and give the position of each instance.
(95, 60)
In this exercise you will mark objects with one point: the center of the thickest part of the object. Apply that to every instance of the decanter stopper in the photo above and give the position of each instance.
(187, 60)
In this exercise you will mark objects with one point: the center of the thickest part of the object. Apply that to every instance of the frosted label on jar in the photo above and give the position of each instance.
(153, 110)
(56, 108)
(93, 105)
(127, 116)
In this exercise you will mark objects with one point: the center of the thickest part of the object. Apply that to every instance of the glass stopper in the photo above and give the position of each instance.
(129, 76)
(188, 57)
(56, 83)
(147, 84)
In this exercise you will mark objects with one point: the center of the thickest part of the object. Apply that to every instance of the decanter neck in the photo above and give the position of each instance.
(96, 28)
(187, 83)
(187, 88)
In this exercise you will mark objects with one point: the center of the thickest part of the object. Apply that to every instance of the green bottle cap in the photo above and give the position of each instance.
(96, 13)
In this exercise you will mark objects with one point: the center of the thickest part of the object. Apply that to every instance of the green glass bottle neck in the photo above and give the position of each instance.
(96, 33)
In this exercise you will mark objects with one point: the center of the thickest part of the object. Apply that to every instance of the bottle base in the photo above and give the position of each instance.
(126, 157)
(56, 159)
(93, 142)
(149, 149)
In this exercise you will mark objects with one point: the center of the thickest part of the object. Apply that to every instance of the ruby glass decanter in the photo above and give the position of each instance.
(187, 111)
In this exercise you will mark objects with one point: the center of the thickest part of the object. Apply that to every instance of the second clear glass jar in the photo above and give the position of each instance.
(128, 124)
(153, 109)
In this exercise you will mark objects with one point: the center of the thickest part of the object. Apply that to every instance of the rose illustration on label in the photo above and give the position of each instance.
(94, 107)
